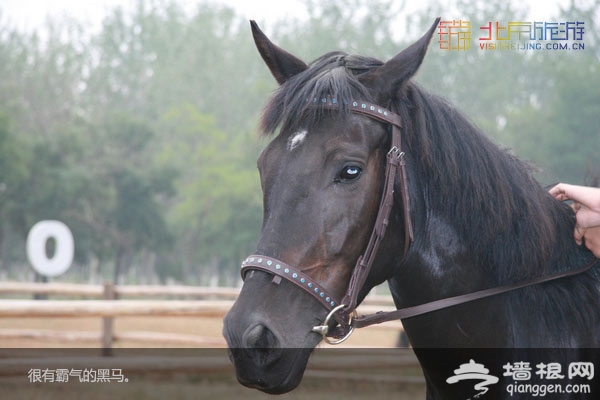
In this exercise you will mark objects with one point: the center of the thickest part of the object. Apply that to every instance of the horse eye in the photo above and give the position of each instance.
(349, 173)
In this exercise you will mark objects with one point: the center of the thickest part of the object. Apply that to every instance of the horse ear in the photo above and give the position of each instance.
(282, 64)
(392, 76)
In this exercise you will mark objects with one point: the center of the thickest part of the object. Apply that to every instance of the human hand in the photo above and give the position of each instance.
(586, 202)
(592, 240)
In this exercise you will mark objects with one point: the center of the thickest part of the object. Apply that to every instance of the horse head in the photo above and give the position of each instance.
(322, 178)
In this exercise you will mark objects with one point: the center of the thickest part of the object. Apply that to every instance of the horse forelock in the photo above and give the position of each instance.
(333, 75)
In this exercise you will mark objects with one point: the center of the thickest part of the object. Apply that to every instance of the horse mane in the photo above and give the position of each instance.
(504, 215)
(517, 230)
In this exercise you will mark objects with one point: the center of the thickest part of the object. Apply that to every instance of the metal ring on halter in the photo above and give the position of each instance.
(323, 329)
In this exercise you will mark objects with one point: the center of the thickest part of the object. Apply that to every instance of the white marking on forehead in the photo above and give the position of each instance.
(296, 139)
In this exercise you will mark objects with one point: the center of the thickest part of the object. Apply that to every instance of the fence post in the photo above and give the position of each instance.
(107, 322)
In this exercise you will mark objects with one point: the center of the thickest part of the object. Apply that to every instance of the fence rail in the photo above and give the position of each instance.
(116, 302)
(84, 290)
(118, 337)
(112, 308)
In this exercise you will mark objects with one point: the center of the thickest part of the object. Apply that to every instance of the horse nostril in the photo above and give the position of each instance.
(260, 337)
(261, 345)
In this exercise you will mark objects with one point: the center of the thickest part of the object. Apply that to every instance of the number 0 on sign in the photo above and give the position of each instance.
(38, 236)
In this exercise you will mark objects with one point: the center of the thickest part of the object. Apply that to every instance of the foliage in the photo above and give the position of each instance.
(218, 203)
(141, 136)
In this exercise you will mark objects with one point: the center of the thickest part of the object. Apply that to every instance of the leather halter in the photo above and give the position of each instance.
(341, 310)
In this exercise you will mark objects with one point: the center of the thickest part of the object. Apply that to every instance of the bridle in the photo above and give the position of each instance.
(341, 310)
(344, 311)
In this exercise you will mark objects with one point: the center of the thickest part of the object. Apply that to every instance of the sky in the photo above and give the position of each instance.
(29, 15)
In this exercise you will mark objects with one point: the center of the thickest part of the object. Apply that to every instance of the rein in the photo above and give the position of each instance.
(344, 311)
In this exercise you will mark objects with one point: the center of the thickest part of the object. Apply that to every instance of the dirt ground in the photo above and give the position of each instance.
(209, 387)
(203, 374)
(218, 382)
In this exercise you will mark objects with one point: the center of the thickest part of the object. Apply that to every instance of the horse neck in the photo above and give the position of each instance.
(443, 263)
(480, 221)
(466, 188)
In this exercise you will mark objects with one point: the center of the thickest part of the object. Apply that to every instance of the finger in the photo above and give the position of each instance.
(559, 192)
(560, 196)
(578, 234)
(587, 218)
(592, 240)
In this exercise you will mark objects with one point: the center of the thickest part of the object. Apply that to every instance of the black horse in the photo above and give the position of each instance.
(479, 219)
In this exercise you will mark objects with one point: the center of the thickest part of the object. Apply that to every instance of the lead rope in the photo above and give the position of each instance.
(407, 312)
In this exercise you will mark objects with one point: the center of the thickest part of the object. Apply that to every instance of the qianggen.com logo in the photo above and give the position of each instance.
(549, 378)
(551, 374)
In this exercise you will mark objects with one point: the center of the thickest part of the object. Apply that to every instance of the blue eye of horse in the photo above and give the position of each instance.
(349, 173)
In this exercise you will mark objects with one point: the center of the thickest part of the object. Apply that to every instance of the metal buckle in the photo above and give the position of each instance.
(323, 329)
(394, 151)
(395, 156)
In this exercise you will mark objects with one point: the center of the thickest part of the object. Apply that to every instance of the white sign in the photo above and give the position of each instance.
(64, 247)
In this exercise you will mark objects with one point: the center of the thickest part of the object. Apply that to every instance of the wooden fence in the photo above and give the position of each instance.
(112, 301)
(120, 291)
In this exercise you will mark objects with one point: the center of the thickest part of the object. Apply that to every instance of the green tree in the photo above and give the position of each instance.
(558, 128)
(562, 127)
(123, 204)
(141, 136)
(14, 170)
(216, 213)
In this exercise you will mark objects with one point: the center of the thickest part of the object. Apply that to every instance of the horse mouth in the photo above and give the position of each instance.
(279, 388)
(277, 378)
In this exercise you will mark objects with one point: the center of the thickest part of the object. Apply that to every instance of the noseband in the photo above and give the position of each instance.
(343, 311)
